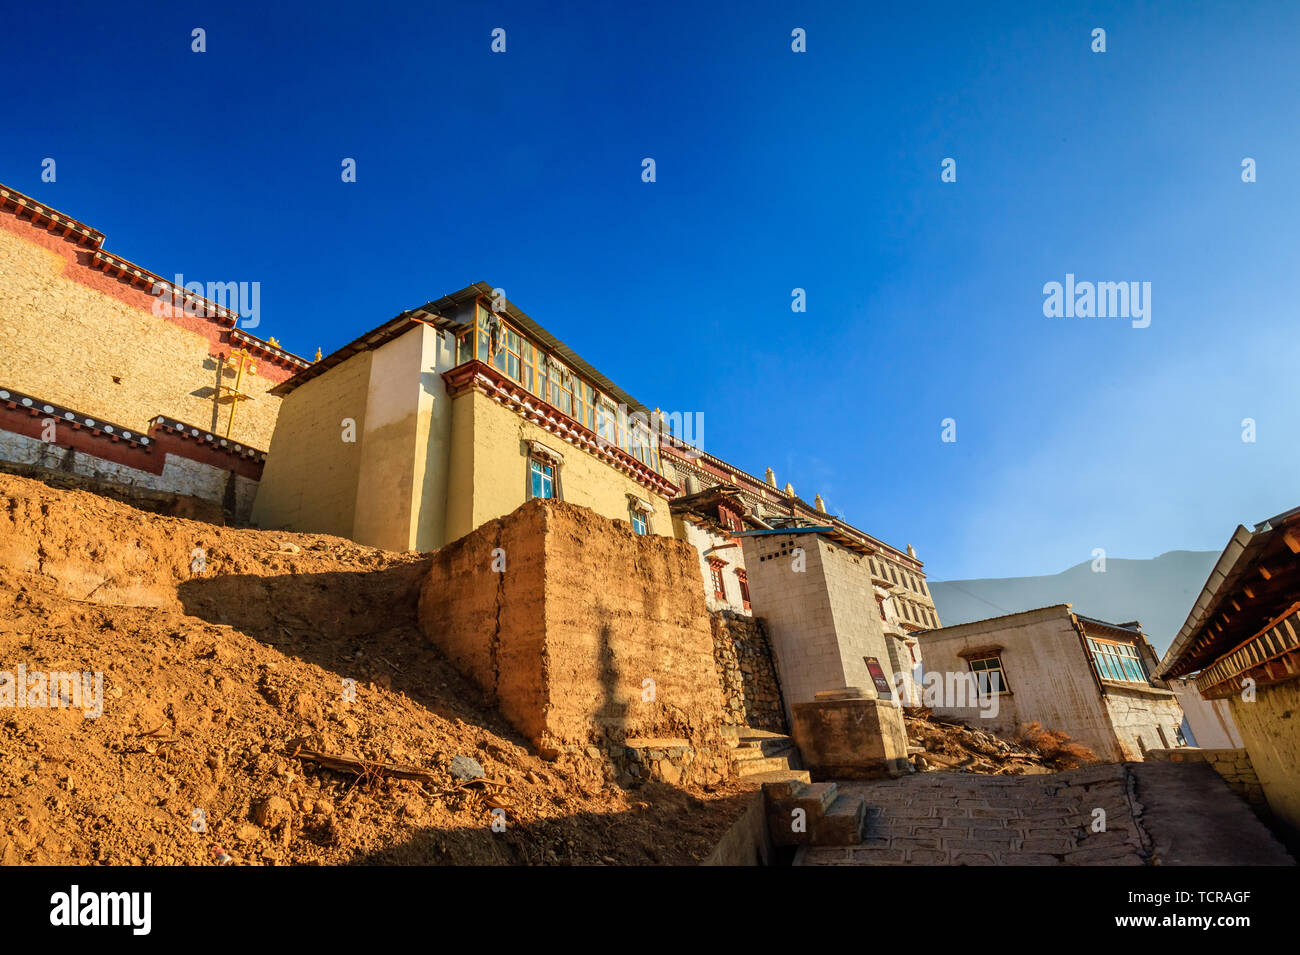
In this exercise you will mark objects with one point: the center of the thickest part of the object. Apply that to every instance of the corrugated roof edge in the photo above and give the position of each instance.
(530, 326)
(432, 313)
(1246, 542)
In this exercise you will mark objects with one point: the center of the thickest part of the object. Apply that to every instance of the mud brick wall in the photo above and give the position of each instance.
(591, 635)
(750, 688)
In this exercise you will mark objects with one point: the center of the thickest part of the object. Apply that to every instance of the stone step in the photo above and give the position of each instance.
(780, 777)
(761, 764)
(749, 732)
(770, 746)
(841, 825)
(815, 798)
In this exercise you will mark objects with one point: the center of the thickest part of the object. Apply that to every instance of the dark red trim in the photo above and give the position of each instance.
(108, 442)
(184, 445)
(69, 434)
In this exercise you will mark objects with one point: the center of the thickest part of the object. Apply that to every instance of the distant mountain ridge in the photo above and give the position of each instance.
(1158, 593)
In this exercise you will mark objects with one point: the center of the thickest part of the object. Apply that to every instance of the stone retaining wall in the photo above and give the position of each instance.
(750, 689)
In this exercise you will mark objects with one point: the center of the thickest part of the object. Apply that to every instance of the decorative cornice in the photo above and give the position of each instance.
(267, 350)
(77, 420)
(190, 433)
(70, 228)
(505, 391)
(539, 450)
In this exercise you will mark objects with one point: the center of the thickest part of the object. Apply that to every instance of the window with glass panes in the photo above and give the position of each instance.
(715, 574)
(542, 375)
(1117, 661)
(988, 675)
(638, 521)
(541, 477)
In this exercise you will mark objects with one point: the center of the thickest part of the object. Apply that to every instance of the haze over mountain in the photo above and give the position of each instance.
(1158, 592)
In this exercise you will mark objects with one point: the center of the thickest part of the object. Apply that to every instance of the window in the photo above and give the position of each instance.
(730, 519)
(638, 521)
(1117, 661)
(541, 479)
(605, 415)
(513, 347)
(715, 574)
(528, 365)
(743, 579)
(988, 676)
(484, 318)
(584, 400)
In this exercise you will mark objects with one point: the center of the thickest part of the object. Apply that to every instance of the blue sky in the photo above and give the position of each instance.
(775, 170)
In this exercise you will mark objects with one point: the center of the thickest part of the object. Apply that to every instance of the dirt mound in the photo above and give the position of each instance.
(225, 651)
(954, 745)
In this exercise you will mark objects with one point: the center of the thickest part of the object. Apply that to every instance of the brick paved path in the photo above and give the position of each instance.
(945, 818)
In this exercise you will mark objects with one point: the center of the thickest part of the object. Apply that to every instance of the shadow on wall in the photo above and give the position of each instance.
(612, 712)
(356, 624)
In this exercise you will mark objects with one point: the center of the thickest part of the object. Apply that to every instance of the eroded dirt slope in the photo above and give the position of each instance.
(212, 679)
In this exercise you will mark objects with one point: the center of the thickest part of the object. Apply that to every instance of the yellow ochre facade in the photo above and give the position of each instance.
(448, 417)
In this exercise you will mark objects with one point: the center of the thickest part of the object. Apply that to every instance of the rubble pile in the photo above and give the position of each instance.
(953, 745)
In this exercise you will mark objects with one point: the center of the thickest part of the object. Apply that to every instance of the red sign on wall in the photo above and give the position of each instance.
(878, 677)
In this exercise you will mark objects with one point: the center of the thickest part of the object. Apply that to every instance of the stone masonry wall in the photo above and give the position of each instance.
(750, 688)
(1144, 718)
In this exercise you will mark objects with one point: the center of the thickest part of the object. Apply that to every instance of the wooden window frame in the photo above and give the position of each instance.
(540, 455)
(1004, 687)
(1109, 663)
(718, 581)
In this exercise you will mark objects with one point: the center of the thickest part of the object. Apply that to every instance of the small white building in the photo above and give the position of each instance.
(1074, 674)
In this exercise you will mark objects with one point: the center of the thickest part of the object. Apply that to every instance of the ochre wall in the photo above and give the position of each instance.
(311, 474)
(460, 468)
(66, 330)
(388, 435)
(1270, 728)
(499, 462)
(584, 613)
